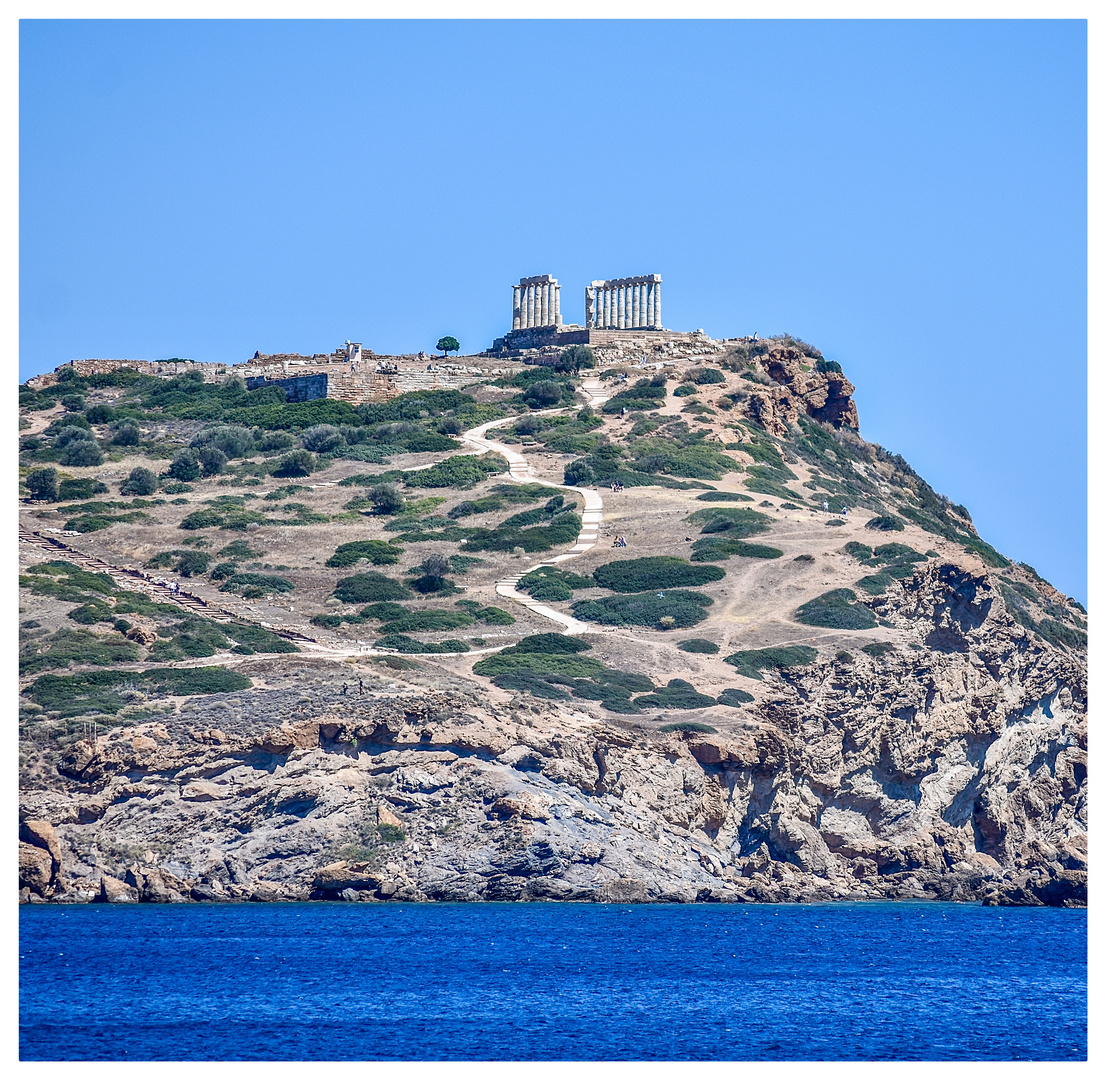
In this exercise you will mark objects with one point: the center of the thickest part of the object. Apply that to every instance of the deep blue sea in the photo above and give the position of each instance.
(317, 981)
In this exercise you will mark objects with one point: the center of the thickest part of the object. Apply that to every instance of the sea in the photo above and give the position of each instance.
(549, 981)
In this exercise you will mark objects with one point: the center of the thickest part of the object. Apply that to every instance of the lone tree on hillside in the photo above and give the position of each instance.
(43, 484)
(448, 345)
(574, 358)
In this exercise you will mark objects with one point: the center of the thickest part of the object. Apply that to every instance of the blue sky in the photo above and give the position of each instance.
(909, 196)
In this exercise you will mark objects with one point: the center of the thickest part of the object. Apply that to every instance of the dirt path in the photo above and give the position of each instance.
(522, 472)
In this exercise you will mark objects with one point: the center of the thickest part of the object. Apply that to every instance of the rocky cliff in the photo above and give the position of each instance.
(954, 769)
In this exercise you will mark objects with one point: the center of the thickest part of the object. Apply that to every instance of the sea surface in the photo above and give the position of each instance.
(861, 982)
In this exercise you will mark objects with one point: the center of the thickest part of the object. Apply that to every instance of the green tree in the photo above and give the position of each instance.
(139, 482)
(448, 345)
(185, 466)
(43, 484)
(574, 358)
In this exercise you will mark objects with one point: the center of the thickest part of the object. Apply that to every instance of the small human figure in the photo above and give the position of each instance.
(844, 511)
(660, 596)
(343, 689)
(825, 505)
(360, 686)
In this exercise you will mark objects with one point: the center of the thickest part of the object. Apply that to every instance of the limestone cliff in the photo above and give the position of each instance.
(954, 769)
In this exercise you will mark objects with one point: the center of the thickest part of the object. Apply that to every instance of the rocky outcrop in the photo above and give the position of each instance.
(953, 767)
(792, 386)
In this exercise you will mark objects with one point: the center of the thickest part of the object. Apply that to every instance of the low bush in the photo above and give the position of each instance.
(377, 552)
(878, 648)
(684, 391)
(562, 529)
(413, 622)
(495, 616)
(140, 481)
(549, 644)
(86, 488)
(530, 683)
(537, 663)
(383, 611)
(550, 583)
(296, 463)
(720, 548)
(751, 662)
(65, 647)
(653, 572)
(368, 587)
(402, 643)
(837, 609)
(885, 523)
(678, 694)
(645, 609)
(724, 496)
(688, 725)
(459, 471)
(738, 522)
(827, 366)
(734, 697)
(697, 645)
(43, 484)
(705, 376)
(268, 583)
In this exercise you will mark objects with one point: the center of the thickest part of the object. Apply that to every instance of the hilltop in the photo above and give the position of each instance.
(389, 650)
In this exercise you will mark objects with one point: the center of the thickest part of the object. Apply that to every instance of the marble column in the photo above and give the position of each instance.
(546, 290)
(639, 312)
(657, 305)
(516, 314)
(648, 304)
(529, 306)
(556, 305)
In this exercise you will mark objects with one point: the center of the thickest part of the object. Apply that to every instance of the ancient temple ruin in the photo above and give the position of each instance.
(537, 303)
(624, 304)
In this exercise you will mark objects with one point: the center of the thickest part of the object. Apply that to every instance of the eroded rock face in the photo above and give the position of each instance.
(792, 392)
(954, 769)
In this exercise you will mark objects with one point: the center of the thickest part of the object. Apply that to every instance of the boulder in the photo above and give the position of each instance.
(384, 816)
(41, 834)
(36, 869)
(114, 891)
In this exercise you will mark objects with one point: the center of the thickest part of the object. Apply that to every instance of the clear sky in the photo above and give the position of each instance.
(908, 196)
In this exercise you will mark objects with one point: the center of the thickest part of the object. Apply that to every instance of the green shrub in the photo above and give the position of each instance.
(885, 523)
(549, 644)
(493, 615)
(705, 376)
(751, 662)
(417, 621)
(43, 484)
(857, 551)
(684, 391)
(734, 697)
(688, 725)
(368, 587)
(530, 684)
(402, 643)
(268, 583)
(562, 530)
(65, 647)
(878, 648)
(720, 548)
(826, 366)
(653, 572)
(837, 610)
(383, 611)
(678, 694)
(738, 522)
(140, 481)
(460, 471)
(202, 519)
(723, 496)
(239, 550)
(85, 489)
(377, 552)
(296, 463)
(537, 663)
(697, 645)
(391, 834)
(645, 609)
(550, 583)
(95, 691)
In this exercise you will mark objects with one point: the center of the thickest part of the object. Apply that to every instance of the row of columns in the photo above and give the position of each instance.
(537, 302)
(624, 304)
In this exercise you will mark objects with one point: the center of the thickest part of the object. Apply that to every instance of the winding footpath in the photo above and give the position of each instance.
(522, 472)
